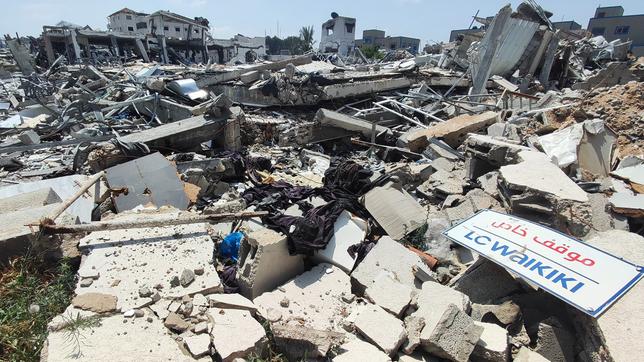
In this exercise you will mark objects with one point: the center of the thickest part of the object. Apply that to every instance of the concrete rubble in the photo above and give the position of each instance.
(257, 206)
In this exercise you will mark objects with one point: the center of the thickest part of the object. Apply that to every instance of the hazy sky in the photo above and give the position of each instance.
(429, 20)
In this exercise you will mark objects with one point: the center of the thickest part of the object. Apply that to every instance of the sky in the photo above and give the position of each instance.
(429, 20)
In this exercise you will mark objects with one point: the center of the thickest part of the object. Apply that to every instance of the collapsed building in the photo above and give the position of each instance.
(302, 208)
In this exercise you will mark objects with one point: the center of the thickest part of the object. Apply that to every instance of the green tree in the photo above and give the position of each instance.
(371, 52)
(306, 34)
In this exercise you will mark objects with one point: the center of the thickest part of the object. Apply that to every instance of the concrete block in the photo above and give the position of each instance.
(236, 333)
(392, 296)
(554, 342)
(394, 209)
(331, 118)
(381, 328)
(265, 264)
(348, 230)
(538, 188)
(413, 325)
(621, 332)
(298, 342)
(454, 337)
(388, 255)
(357, 350)
(29, 138)
(485, 282)
(315, 300)
(493, 344)
(198, 345)
(433, 300)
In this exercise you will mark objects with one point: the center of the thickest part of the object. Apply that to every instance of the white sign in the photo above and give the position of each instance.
(578, 273)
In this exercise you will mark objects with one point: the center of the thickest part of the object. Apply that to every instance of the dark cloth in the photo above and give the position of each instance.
(359, 252)
(344, 182)
(229, 279)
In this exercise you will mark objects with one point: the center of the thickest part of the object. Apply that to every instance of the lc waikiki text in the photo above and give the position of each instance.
(538, 268)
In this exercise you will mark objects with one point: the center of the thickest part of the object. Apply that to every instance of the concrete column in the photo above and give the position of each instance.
(49, 49)
(232, 134)
(77, 51)
(548, 60)
(488, 49)
(115, 46)
(164, 50)
(141, 50)
(542, 48)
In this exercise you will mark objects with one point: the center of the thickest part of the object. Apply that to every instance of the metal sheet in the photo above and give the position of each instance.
(516, 37)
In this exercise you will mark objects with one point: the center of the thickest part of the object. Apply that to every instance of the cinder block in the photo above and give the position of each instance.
(265, 263)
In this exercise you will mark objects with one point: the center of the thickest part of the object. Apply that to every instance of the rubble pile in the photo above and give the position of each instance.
(299, 209)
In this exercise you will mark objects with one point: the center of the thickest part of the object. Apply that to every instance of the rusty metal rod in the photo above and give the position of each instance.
(149, 221)
(90, 182)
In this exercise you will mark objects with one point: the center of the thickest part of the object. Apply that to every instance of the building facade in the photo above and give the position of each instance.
(612, 24)
(373, 37)
(128, 21)
(338, 35)
(402, 42)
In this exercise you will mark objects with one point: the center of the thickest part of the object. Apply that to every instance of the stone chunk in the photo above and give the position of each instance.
(381, 328)
(394, 209)
(299, 341)
(198, 345)
(454, 337)
(29, 137)
(433, 300)
(554, 342)
(265, 263)
(187, 277)
(358, 350)
(389, 294)
(388, 255)
(176, 323)
(95, 302)
(485, 282)
(236, 333)
(493, 344)
(231, 301)
(413, 325)
(537, 187)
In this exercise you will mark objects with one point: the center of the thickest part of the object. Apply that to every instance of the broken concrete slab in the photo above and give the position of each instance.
(150, 179)
(493, 345)
(130, 258)
(140, 339)
(485, 282)
(315, 300)
(616, 324)
(357, 350)
(389, 294)
(413, 326)
(231, 301)
(348, 230)
(454, 337)
(554, 342)
(433, 300)
(236, 334)
(537, 186)
(265, 263)
(381, 328)
(390, 256)
(297, 342)
(453, 131)
(331, 118)
(198, 345)
(394, 209)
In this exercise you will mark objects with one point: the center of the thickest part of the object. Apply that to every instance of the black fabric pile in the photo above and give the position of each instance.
(344, 182)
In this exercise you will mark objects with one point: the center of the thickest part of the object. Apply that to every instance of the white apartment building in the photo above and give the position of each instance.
(128, 21)
(161, 22)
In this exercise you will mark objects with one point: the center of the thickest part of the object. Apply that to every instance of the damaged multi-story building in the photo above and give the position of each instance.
(338, 35)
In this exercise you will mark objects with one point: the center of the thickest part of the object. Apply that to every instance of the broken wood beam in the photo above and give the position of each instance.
(148, 222)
